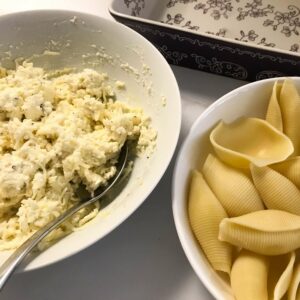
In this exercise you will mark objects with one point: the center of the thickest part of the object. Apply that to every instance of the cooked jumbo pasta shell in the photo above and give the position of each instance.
(249, 276)
(267, 232)
(289, 168)
(277, 191)
(233, 188)
(273, 115)
(280, 275)
(294, 291)
(289, 102)
(205, 214)
(250, 140)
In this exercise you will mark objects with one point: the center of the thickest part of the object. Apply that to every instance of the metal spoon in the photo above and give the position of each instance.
(20, 253)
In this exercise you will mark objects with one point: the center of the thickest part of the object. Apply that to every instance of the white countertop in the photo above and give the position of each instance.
(142, 259)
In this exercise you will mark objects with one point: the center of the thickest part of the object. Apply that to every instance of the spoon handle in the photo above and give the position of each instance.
(19, 254)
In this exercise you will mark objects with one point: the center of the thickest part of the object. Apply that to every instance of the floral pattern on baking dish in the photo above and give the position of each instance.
(135, 5)
(270, 23)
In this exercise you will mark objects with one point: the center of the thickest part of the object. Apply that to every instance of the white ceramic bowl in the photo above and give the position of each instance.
(250, 100)
(60, 39)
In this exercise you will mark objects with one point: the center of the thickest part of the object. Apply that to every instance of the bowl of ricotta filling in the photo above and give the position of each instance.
(74, 88)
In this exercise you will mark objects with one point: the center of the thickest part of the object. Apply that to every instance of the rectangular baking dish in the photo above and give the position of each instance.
(244, 39)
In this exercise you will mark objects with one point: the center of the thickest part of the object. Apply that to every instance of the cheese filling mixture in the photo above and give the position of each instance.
(57, 131)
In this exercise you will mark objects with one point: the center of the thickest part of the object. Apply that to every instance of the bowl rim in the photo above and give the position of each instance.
(172, 145)
(176, 200)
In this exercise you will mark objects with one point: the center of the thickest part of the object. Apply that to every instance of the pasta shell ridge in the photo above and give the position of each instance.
(249, 276)
(280, 275)
(293, 290)
(273, 115)
(267, 232)
(289, 168)
(289, 102)
(205, 214)
(276, 191)
(233, 188)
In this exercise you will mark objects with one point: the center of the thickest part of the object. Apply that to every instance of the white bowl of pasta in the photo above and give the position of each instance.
(74, 88)
(228, 181)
